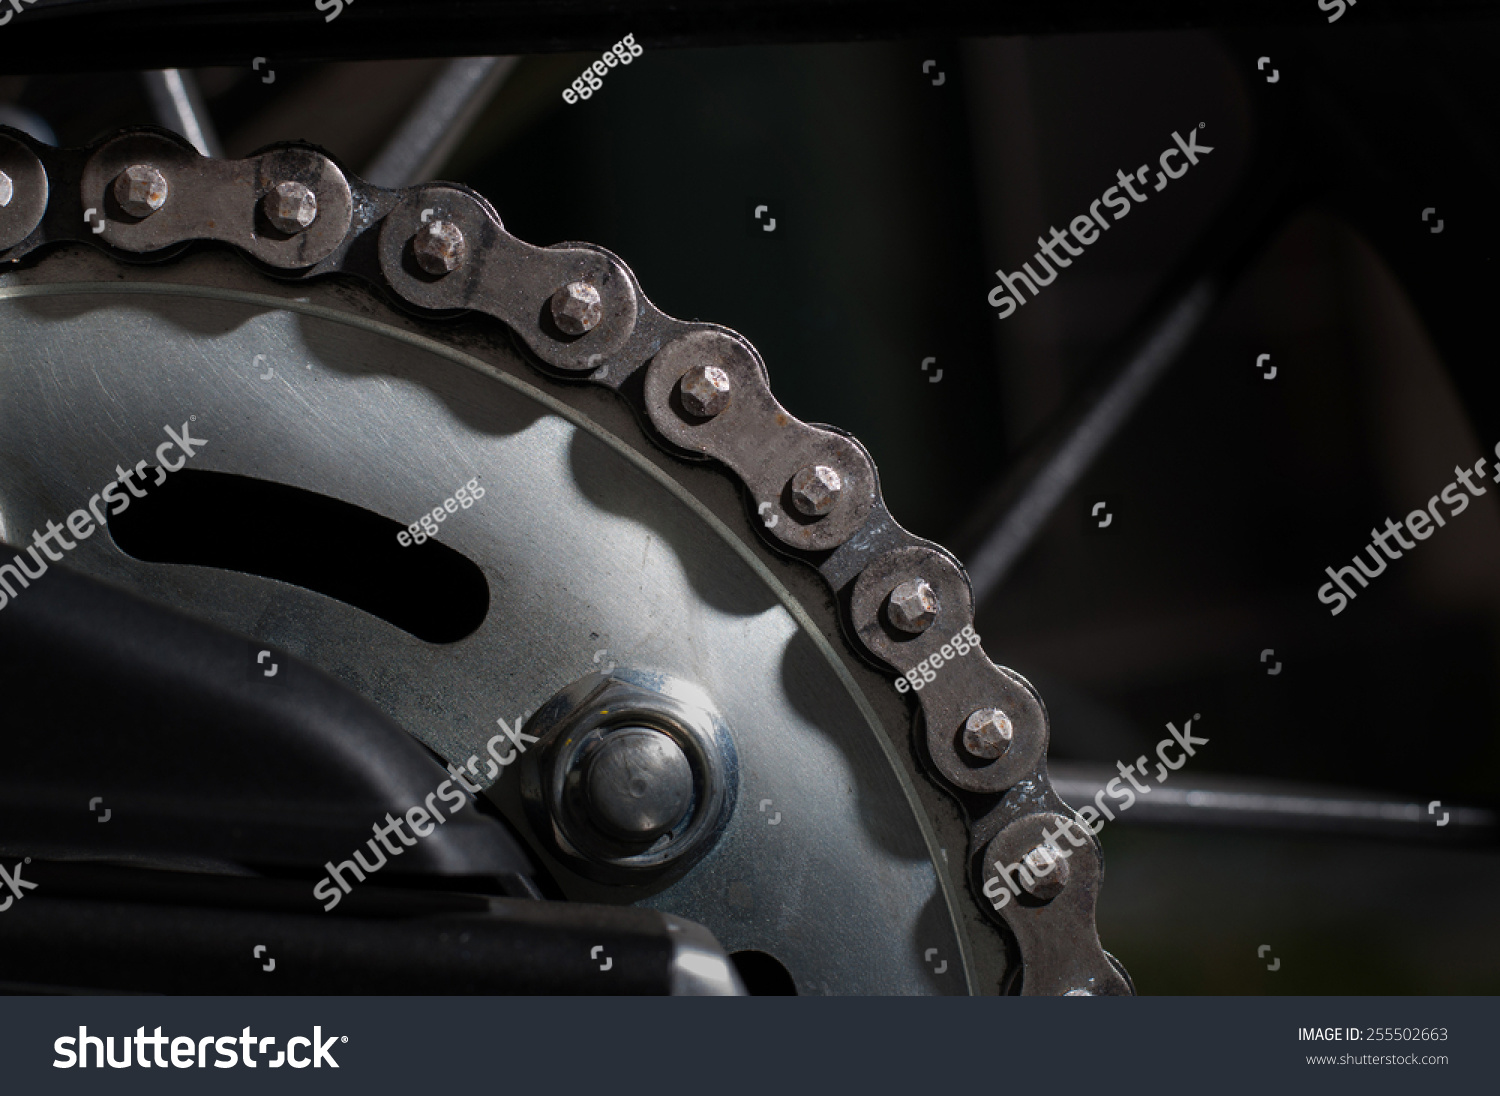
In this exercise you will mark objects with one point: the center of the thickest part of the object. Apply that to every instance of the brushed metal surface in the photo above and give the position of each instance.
(828, 862)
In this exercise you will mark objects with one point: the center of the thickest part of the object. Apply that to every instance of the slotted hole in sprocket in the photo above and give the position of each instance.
(237, 523)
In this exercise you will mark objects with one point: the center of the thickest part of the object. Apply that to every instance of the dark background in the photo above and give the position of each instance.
(896, 201)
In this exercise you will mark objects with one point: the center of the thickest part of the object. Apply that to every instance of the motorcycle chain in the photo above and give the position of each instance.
(145, 195)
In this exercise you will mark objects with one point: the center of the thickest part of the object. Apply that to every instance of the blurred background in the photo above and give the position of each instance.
(901, 177)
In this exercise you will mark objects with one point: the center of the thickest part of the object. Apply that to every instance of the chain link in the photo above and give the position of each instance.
(145, 195)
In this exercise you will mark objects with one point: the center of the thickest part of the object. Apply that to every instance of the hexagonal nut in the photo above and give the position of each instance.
(987, 734)
(705, 391)
(7, 190)
(291, 207)
(913, 606)
(815, 489)
(598, 735)
(440, 247)
(1047, 870)
(576, 308)
(141, 190)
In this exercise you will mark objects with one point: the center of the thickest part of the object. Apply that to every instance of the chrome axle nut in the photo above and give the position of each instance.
(141, 190)
(576, 308)
(439, 247)
(290, 207)
(635, 773)
(913, 606)
(7, 190)
(815, 489)
(639, 784)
